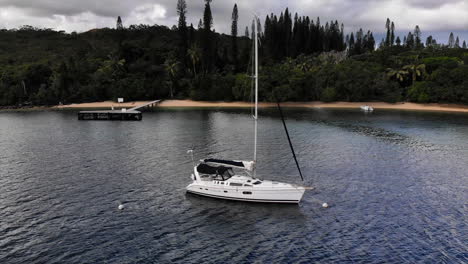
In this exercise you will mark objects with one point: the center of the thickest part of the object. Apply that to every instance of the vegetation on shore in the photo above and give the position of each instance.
(302, 59)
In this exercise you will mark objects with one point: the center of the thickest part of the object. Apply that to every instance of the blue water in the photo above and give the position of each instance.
(396, 182)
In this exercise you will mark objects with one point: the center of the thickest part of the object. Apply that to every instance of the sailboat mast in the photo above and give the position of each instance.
(256, 92)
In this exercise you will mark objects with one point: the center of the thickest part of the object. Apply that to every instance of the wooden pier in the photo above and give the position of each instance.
(150, 105)
(119, 115)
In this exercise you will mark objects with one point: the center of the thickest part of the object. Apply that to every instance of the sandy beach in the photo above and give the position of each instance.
(204, 104)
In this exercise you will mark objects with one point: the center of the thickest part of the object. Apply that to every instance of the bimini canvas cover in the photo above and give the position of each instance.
(247, 165)
(207, 169)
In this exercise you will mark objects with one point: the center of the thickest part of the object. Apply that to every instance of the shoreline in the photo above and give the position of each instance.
(181, 104)
(316, 105)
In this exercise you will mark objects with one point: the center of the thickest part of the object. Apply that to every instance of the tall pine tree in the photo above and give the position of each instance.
(398, 41)
(392, 34)
(120, 34)
(417, 38)
(410, 43)
(207, 39)
(351, 43)
(235, 18)
(429, 41)
(119, 25)
(388, 38)
(451, 42)
(183, 34)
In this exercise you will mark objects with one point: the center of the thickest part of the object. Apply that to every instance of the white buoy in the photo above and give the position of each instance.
(121, 206)
(325, 205)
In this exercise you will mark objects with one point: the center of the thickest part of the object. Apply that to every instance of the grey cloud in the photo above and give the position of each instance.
(107, 8)
(71, 7)
(368, 14)
(432, 4)
(113, 8)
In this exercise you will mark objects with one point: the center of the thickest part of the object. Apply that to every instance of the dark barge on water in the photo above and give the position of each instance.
(111, 115)
(118, 115)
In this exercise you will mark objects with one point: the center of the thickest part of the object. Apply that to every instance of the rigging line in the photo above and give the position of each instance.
(289, 139)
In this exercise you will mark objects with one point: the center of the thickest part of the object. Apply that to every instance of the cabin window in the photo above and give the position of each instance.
(246, 192)
(247, 185)
(235, 184)
(257, 182)
(225, 191)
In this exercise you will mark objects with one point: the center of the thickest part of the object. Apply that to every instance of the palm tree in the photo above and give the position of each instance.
(407, 72)
(172, 68)
(399, 75)
(416, 70)
(194, 54)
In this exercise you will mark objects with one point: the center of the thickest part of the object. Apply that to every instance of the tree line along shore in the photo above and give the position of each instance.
(221, 104)
(191, 104)
(302, 59)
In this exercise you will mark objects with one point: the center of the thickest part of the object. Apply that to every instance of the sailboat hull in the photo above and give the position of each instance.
(291, 195)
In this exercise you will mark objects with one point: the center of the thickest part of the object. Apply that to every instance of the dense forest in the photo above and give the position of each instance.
(302, 59)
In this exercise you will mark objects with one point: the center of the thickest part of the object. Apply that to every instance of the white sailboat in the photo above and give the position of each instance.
(236, 180)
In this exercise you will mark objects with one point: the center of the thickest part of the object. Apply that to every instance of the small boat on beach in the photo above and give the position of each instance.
(236, 179)
(367, 108)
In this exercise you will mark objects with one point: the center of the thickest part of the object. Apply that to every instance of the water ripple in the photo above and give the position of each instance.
(396, 183)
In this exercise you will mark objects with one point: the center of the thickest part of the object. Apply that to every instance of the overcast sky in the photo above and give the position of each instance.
(437, 17)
